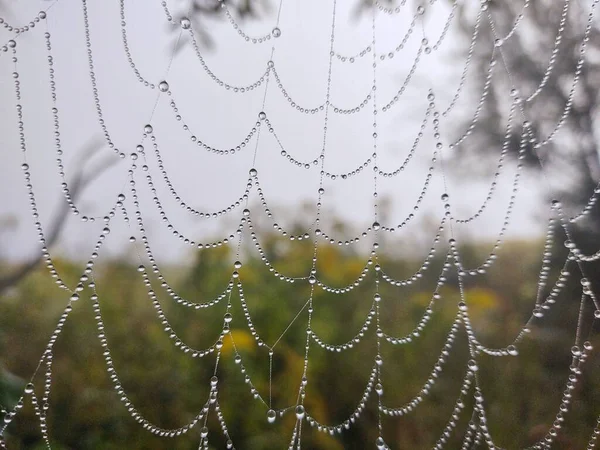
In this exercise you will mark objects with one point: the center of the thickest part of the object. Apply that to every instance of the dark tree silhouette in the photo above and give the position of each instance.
(542, 57)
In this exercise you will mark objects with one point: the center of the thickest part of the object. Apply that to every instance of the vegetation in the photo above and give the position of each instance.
(169, 387)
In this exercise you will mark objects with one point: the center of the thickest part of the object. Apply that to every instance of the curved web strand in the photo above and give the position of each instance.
(28, 26)
(121, 394)
(353, 417)
(438, 367)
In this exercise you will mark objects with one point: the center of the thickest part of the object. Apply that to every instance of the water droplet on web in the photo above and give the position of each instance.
(472, 365)
(163, 86)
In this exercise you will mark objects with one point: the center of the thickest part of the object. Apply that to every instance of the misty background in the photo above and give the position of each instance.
(222, 118)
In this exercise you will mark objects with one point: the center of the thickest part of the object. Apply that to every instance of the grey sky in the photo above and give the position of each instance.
(222, 118)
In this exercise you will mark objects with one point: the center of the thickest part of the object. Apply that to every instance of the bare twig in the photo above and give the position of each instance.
(77, 185)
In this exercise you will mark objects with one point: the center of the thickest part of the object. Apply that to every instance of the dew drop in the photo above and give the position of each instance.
(271, 416)
(163, 86)
(185, 23)
(472, 365)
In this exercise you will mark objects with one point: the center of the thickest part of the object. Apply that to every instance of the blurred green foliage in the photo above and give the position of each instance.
(169, 387)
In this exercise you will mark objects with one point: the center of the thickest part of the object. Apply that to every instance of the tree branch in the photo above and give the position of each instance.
(79, 183)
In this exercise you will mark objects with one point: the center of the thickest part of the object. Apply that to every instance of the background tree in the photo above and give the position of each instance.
(542, 54)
